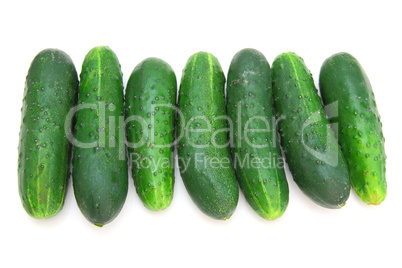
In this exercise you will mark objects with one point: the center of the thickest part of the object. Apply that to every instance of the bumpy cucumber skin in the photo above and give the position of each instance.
(151, 96)
(44, 150)
(343, 80)
(100, 173)
(311, 149)
(249, 95)
(213, 187)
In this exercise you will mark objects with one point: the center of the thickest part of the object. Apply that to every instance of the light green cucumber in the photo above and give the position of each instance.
(346, 88)
(150, 115)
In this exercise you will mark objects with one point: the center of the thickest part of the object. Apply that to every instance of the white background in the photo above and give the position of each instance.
(181, 236)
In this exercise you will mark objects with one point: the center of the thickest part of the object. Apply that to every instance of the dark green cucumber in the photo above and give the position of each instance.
(345, 85)
(204, 156)
(256, 153)
(311, 149)
(100, 174)
(150, 115)
(44, 149)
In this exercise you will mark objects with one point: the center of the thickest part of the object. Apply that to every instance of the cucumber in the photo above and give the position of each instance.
(100, 173)
(344, 82)
(150, 123)
(44, 149)
(203, 149)
(256, 153)
(310, 146)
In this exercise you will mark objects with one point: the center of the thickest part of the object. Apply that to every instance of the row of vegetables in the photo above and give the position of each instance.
(223, 140)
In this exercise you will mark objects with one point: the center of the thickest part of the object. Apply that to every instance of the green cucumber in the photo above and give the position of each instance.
(310, 146)
(203, 149)
(256, 153)
(150, 117)
(44, 149)
(100, 173)
(344, 83)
